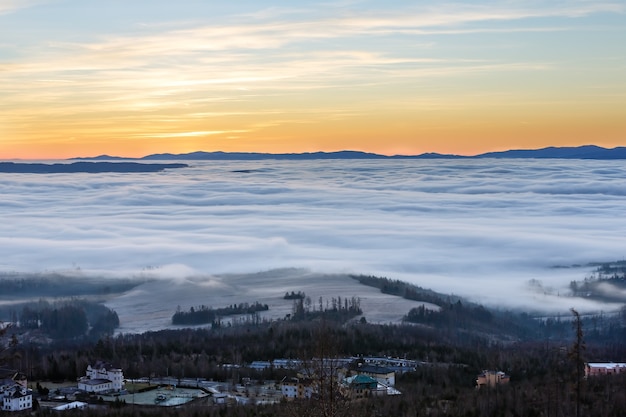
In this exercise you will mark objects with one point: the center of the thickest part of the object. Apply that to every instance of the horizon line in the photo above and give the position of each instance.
(321, 152)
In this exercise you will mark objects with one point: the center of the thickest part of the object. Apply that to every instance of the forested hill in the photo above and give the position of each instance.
(459, 317)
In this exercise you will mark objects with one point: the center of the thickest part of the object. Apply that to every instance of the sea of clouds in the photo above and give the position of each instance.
(478, 228)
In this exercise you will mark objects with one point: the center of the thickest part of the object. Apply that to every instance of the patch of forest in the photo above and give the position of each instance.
(335, 309)
(65, 319)
(205, 314)
(58, 285)
(603, 282)
(405, 290)
(462, 317)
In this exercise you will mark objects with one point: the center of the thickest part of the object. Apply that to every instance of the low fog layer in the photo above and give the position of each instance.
(481, 229)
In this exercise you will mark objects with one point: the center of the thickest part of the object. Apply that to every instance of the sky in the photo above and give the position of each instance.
(131, 78)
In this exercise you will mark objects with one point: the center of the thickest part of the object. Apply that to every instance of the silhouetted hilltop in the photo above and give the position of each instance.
(90, 167)
(579, 152)
(100, 158)
(435, 155)
(253, 156)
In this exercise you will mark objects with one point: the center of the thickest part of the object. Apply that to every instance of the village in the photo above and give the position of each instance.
(354, 378)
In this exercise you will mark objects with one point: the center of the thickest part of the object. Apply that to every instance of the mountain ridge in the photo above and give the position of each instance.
(551, 152)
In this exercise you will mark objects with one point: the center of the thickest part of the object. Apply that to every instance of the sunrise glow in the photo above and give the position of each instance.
(84, 78)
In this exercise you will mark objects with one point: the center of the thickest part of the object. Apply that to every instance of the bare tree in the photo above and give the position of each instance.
(577, 356)
(322, 366)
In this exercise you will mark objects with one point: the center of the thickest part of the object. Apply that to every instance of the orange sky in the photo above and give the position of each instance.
(398, 80)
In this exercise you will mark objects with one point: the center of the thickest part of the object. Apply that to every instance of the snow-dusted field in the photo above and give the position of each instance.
(151, 305)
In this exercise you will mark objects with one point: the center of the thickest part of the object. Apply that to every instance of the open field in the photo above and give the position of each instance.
(150, 306)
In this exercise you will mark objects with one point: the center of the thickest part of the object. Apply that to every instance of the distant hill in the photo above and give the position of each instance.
(252, 156)
(99, 158)
(90, 167)
(580, 152)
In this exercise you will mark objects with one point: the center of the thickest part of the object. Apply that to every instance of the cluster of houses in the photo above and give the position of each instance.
(398, 365)
(353, 378)
(16, 396)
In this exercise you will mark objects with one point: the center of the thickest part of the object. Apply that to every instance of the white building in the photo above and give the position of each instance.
(292, 388)
(102, 377)
(14, 396)
(604, 368)
(260, 365)
(382, 374)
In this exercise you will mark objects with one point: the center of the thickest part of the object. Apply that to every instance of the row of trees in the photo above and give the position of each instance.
(204, 314)
(294, 295)
(404, 289)
(455, 314)
(335, 309)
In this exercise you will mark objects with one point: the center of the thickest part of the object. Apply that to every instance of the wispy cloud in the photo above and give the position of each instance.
(10, 6)
(189, 134)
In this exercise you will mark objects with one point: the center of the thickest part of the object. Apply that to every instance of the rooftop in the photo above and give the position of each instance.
(95, 381)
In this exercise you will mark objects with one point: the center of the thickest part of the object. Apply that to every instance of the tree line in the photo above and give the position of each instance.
(405, 290)
(204, 314)
(335, 309)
